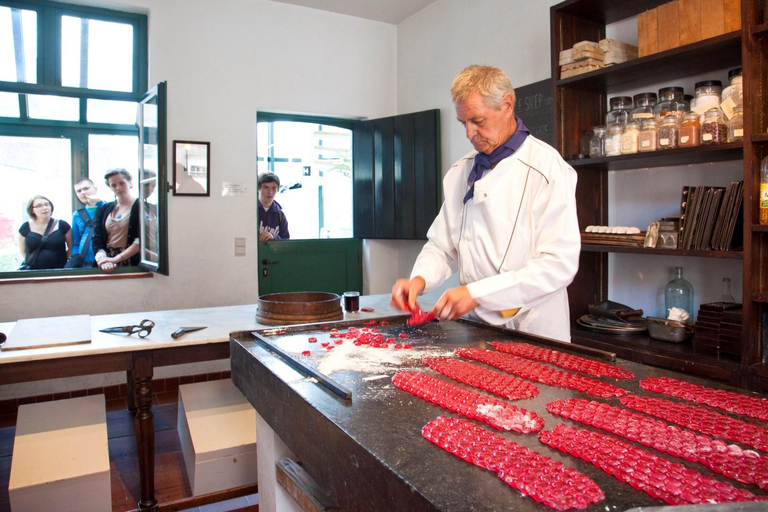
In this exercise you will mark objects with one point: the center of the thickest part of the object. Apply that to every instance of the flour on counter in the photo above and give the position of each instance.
(366, 359)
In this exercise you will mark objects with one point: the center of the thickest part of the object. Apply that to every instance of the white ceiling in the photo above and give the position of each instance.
(388, 11)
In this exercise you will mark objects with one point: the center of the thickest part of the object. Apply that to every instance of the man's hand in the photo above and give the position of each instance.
(265, 236)
(454, 303)
(404, 293)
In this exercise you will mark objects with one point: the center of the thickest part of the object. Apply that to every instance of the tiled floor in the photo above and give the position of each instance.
(229, 505)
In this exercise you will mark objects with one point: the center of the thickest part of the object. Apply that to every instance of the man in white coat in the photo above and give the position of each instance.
(508, 224)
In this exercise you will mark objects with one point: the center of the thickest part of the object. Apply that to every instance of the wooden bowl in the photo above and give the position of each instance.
(298, 308)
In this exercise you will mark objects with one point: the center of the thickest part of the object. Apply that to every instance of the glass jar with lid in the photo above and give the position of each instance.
(671, 101)
(619, 110)
(707, 96)
(714, 130)
(736, 125)
(584, 143)
(690, 130)
(613, 139)
(597, 142)
(733, 95)
(644, 103)
(630, 138)
(647, 140)
(668, 132)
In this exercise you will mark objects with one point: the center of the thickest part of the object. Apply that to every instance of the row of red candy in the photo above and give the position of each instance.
(497, 383)
(563, 360)
(701, 420)
(473, 405)
(753, 407)
(729, 460)
(545, 480)
(658, 477)
(538, 372)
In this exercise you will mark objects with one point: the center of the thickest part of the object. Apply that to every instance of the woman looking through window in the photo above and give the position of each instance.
(116, 234)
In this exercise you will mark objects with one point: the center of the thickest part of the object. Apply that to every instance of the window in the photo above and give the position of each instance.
(313, 159)
(71, 82)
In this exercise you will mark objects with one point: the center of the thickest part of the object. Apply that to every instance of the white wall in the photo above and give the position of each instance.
(223, 61)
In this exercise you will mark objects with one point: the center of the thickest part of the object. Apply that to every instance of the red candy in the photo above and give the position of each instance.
(312, 339)
(701, 419)
(541, 373)
(753, 407)
(367, 310)
(658, 477)
(402, 335)
(407, 345)
(305, 353)
(565, 361)
(398, 345)
(535, 475)
(729, 460)
(419, 317)
(497, 383)
(498, 414)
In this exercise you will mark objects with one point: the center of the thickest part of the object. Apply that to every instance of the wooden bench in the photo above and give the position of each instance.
(60, 457)
(217, 430)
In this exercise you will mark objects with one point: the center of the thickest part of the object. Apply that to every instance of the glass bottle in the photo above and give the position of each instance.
(644, 103)
(690, 130)
(629, 139)
(671, 101)
(713, 129)
(736, 125)
(707, 96)
(763, 194)
(733, 95)
(584, 141)
(619, 110)
(597, 142)
(668, 132)
(613, 140)
(727, 296)
(679, 294)
(647, 140)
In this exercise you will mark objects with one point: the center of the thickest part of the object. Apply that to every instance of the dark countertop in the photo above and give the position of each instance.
(368, 452)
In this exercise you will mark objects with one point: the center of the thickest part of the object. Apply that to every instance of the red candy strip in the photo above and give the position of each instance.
(497, 383)
(729, 460)
(418, 317)
(541, 373)
(563, 360)
(496, 413)
(658, 477)
(753, 407)
(543, 479)
(701, 420)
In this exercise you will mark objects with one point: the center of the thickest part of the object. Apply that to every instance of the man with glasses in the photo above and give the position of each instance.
(82, 220)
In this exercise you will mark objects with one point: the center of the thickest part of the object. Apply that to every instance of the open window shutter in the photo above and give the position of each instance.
(396, 175)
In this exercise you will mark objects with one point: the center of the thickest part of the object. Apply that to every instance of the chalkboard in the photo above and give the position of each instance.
(535, 106)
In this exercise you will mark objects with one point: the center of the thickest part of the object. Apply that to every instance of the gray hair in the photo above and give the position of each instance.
(488, 81)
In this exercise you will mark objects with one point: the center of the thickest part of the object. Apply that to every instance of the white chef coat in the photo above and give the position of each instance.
(515, 244)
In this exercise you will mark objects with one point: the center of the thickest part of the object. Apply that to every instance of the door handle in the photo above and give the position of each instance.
(265, 261)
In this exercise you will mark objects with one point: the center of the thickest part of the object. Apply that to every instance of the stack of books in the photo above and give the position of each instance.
(709, 217)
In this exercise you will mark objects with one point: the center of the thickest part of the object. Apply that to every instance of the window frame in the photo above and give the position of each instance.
(49, 83)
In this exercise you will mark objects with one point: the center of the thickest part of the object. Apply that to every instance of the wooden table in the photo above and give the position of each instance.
(137, 357)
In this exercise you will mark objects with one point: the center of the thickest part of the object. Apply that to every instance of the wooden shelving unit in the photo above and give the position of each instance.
(581, 101)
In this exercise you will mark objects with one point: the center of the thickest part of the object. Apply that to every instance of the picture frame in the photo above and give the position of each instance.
(191, 168)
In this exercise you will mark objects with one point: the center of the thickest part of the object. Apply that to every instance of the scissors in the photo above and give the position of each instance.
(144, 328)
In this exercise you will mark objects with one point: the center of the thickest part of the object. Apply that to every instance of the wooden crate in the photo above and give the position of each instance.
(648, 33)
(689, 14)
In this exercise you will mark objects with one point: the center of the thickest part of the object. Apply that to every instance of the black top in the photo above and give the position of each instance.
(53, 253)
(100, 230)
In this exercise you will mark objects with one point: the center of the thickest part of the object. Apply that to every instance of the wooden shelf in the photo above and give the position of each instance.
(759, 30)
(665, 158)
(733, 255)
(759, 228)
(760, 137)
(692, 59)
(760, 297)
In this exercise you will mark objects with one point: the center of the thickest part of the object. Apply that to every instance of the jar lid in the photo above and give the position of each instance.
(651, 121)
(599, 129)
(734, 72)
(709, 83)
(645, 96)
(670, 118)
(618, 100)
(632, 125)
(667, 90)
(691, 116)
(616, 127)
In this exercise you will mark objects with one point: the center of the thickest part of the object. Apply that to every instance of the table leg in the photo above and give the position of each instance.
(145, 428)
(130, 395)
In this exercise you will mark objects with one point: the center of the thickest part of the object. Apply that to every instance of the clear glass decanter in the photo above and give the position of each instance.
(679, 294)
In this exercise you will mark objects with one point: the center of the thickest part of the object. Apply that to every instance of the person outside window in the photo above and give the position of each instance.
(44, 242)
(508, 223)
(116, 236)
(272, 222)
(82, 220)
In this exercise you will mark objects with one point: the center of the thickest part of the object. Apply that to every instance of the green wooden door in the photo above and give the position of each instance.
(311, 265)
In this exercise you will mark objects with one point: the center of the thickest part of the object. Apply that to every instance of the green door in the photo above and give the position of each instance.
(326, 265)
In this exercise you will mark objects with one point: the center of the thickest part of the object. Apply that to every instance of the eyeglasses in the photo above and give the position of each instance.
(42, 205)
